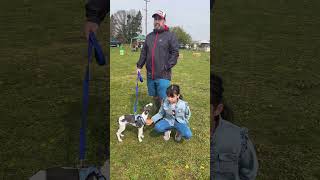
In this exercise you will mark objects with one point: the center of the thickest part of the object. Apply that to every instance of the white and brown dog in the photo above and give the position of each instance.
(138, 121)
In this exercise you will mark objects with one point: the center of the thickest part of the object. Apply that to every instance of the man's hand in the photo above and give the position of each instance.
(149, 122)
(138, 70)
(90, 27)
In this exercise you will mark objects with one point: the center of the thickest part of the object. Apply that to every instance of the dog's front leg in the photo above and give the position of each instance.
(140, 134)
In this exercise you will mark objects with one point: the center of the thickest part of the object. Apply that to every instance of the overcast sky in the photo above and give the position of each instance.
(193, 16)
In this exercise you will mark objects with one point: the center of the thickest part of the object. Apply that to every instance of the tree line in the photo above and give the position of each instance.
(125, 25)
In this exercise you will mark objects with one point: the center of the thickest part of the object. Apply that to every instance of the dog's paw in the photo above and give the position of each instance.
(121, 135)
(140, 140)
(142, 136)
(118, 136)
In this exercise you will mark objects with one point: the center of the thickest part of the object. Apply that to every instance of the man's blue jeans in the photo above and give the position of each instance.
(158, 87)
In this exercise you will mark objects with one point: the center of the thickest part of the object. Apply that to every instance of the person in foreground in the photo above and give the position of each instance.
(174, 113)
(232, 154)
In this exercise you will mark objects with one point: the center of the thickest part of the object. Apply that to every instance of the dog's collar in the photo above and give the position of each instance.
(139, 120)
(139, 116)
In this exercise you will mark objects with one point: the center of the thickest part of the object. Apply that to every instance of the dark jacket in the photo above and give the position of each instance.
(160, 53)
(96, 10)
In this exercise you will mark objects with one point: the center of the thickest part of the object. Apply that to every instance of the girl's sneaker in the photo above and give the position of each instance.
(166, 136)
(178, 136)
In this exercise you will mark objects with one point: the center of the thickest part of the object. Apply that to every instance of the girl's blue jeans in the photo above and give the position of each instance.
(183, 129)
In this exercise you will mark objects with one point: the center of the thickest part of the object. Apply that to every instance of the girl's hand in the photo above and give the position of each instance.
(149, 122)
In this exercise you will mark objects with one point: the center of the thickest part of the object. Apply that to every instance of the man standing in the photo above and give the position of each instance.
(160, 53)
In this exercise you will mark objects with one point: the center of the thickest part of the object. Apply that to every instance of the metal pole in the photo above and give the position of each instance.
(146, 15)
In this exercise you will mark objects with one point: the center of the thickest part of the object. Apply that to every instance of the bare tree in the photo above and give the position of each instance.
(125, 25)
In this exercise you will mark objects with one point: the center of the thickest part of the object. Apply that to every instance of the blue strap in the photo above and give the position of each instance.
(97, 49)
(139, 78)
(92, 43)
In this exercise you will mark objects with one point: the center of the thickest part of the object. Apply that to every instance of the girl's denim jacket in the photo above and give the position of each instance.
(232, 154)
(181, 113)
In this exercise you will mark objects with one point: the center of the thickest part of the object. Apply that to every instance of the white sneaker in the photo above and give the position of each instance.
(178, 136)
(166, 136)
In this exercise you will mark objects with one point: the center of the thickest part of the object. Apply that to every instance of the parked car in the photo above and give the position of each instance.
(114, 42)
(181, 46)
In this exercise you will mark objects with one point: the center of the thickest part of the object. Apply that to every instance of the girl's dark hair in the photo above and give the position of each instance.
(173, 90)
(216, 96)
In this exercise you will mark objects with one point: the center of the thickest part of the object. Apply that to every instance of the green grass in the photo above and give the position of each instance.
(154, 158)
(43, 56)
(267, 53)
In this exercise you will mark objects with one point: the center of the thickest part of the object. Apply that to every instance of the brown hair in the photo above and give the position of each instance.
(216, 96)
(173, 90)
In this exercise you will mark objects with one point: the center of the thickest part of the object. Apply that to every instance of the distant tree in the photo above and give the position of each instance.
(182, 36)
(112, 27)
(125, 25)
(137, 23)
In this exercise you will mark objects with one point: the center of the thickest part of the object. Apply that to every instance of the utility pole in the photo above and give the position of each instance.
(146, 16)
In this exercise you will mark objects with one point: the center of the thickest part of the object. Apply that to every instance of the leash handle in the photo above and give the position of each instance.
(97, 49)
(139, 78)
(92, 44)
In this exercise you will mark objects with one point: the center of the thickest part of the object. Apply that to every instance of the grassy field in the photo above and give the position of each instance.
(43, 56)
(154, 158)
(268, 55)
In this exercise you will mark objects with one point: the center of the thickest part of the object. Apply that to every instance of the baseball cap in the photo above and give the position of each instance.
(160, 13)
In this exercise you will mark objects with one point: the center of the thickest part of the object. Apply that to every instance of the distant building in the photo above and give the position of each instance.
(205, 46)
(137, 42)
(201, 45)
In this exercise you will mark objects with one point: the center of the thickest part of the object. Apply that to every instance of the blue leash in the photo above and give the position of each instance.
(139, 78)
(92, 43)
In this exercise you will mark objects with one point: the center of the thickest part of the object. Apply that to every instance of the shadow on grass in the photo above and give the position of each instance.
(153, 133)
